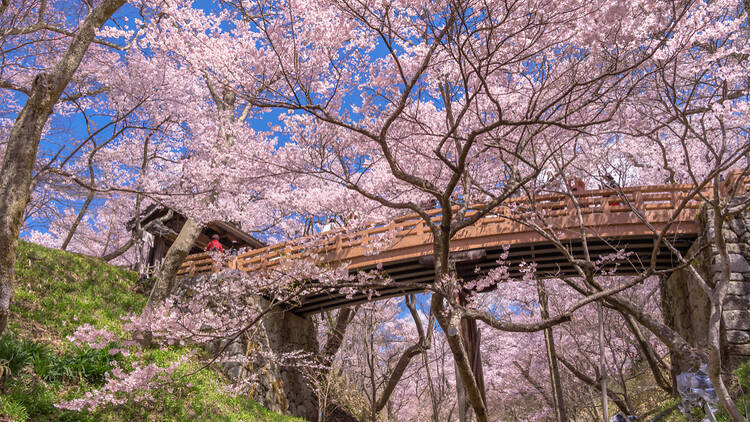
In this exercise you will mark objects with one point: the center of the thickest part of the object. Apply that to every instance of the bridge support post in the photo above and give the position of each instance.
(686, 307)
(278, 384)
(284, 386)
(736, 307)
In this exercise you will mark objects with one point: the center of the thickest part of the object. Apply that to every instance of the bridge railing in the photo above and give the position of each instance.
(602, 201)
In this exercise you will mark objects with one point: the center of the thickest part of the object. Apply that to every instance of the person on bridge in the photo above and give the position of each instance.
(233, 248)
(214, 244)
(611, 183)
(577, 185)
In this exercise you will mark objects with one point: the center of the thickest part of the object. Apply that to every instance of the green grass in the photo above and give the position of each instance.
(55, 292)
(742, 390)
(740, 387)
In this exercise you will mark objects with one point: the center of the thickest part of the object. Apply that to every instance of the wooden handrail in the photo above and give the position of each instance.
(411, 227)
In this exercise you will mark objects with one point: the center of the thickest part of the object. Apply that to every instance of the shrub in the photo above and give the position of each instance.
(85, 364)
(15, 354)
(12, 410)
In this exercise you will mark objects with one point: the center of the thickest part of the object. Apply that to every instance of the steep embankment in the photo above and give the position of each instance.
(55, 293)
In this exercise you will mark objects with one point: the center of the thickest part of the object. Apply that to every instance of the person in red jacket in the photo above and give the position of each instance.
(214, 244)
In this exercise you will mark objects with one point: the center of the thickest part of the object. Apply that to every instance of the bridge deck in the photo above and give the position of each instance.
(608, 226)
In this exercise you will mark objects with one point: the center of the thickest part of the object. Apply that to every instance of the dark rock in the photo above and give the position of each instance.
(736, 303)
(737, 337)
(739, 349)
(737, 320)
(338, 414)
(738, 288)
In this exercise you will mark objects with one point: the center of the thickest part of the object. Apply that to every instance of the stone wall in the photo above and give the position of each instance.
(685, 305)
(288, 332)
(686, 309)
(736, 306)
(281, 388)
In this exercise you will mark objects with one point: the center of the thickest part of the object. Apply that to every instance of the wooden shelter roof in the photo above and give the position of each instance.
(169, 229)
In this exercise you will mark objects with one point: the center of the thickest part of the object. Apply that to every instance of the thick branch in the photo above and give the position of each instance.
(336, 335)
(649, 354)
(398, 372)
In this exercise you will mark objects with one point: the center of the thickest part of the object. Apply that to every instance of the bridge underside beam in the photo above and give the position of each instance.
(409, 275)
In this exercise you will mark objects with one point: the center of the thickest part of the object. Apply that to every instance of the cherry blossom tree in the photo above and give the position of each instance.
(409, 105)
(457, 102)
(53, 38)
(690, 127)
(377, 110)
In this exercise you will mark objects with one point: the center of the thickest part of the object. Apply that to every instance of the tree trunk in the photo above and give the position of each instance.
(433, 399)
(649, 354)
(676, 343)
(464, 410)
(450, 324)
(23, 143)
(172, 261)
(398, 372)
(336, 335)
(603, 365)
(554, 371)
(471, 337)
(119, 251)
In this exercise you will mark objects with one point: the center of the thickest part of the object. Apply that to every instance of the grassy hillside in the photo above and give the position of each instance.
(55, 292)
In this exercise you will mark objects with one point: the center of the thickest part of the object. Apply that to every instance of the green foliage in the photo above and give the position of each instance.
(12, 410)
(56, 292)
(198, 397)
(82, 364)
(90, 365)
(31, 397)
(14, 355)
(742, 398)
(743, 375)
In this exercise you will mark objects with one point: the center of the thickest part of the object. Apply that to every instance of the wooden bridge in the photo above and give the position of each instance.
(610, 225)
